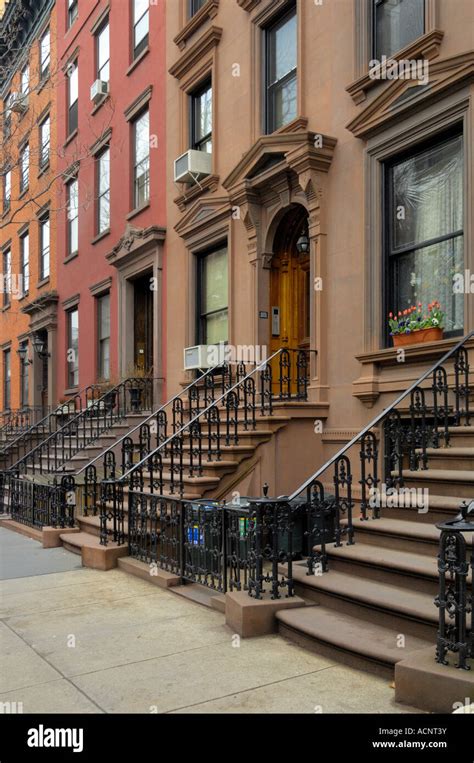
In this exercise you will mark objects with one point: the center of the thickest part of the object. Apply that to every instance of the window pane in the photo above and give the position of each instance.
(45, 46)
(428, 194)
(202, 115)
(73, 84)
(45, 141)
(25, 80)
(103, 53)
(141, 6)
(284, 106)
(45, 249)
(397, 23)
(142, 137)
(282, 49)
(25, 263)
(427, 274)
(217, 329)
(73, 348)
(214, 281)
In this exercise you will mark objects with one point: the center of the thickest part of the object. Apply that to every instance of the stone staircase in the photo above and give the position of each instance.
(218, 479)
(375, 605)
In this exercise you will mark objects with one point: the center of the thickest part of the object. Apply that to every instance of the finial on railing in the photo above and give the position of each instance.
(265, 490)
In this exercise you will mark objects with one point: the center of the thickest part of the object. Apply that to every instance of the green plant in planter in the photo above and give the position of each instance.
(416, 319)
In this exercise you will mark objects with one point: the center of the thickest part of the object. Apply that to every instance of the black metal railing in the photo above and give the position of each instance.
(17, 447)
(133, 395)
(193, 428)
(221, 546)
(385, 453)
(38, 505)
(14, 422)
(455, 600)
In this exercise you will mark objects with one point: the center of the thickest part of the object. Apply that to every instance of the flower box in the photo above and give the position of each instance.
(418, 337)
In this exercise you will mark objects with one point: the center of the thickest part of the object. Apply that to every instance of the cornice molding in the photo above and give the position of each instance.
(138, 104)
(248, 5)
(209, 184)
(135, 241)
(426, 47)
(444, 75)
(208, 11)
(202, 47)
(203, 213)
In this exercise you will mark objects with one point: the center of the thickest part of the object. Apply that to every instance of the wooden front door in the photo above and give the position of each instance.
(289, 306)
(143, 325)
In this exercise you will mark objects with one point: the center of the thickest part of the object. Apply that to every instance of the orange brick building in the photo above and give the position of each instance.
(27, 208)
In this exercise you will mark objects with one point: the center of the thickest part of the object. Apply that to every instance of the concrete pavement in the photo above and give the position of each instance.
(77, 640)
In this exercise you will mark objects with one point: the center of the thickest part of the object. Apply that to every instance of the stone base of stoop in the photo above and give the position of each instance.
(31, 532)
(255, 617)
(424, 683)
(51, 536)
(93, 554)
(153, 575)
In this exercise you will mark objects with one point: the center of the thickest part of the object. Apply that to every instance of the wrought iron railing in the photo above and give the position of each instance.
(13, 422)
(134, 395)
(191, 429)
(38, 505)
(221, 546)
(17, 447)
(455, 600)
(210, 416)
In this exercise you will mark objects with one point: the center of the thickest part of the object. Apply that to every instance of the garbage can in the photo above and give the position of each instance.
(204, 547)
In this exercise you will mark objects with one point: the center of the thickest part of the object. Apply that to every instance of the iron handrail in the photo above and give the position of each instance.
(50, 415)
(385, 412)
(151, 416)
(214, 403)
(96, 404)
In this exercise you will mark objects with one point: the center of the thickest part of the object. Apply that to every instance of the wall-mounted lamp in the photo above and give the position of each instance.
(302, 245)
(39, 347)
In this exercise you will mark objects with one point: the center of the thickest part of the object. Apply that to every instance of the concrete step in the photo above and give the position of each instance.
(416, 572)
(440, 508)
(394, 606)
(455, 458)
(442, 481)
(348, 639)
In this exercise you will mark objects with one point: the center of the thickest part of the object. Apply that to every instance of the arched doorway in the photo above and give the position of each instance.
(290, 283)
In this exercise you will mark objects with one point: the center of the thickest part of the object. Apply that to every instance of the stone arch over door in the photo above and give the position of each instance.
(281, 172)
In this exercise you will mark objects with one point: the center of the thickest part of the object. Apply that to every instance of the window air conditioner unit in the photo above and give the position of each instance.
(99, 90)
(192, 166)
(18, 102)
(203, 356)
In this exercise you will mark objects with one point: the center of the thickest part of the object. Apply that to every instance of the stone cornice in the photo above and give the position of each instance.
(135, 241)
(208, 11)
(207, 185)
(426, 47)
(201, 214)
(444, 75)
(49, 299)
(248, 5)
(202, 47)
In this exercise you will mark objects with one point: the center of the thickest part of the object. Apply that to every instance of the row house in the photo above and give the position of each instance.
(27, 234)
(111, 136)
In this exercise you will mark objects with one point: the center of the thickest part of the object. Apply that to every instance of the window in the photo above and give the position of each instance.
(201, 119)
(195, 6)
(45, 54)
(72, 11)
(141, 163)
(7, 190)
(395, 23)
(103, 52)
(24, 168)
(7, 277)
(7, 120)
(281, 72)
(73, 97)
(73, 348)
(7, 379)
(103, 336)
(424, 230)
(25, 263)
(25, 80)
(140, 26)
(44, 248)
(24, 378)
(73, 216)
(45, 141)
(103, 187)
(213, 297)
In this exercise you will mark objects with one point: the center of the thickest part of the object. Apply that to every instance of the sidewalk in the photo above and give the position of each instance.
(83, 641)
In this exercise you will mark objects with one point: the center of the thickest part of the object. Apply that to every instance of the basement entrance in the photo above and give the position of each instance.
(143, 324)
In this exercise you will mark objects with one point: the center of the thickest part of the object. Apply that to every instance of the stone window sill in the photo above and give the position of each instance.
(137, 60)
(71, 137)
(71, 257)
(42, 283)
(208, 11)
(137, 211)
(99, 105)
(100, 236)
